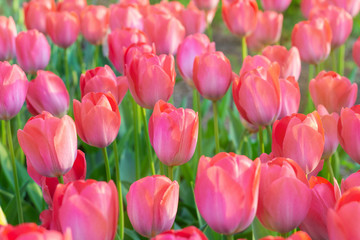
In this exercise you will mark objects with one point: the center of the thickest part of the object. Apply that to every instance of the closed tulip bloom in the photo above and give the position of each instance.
(97, 119)
(35, 13)
(330, 124)
(212, 75)
(356, 52)
(125, 16)
(151, 78)
(49, 143)
(119, 40)
(284, 195)
(324, 197)
(240, 16)
(13, 89)
(253, 62)
(157, 213)
(88, 208)
(226, 191)
(94, 23)
(135, 51)
(313, 40)
(206, 5)
(351, 6)
(289, 60)
(257, 94)
(72, 6)
(275, 5)
(192, 46)
(193, 19)
(290, 97)
(332, 91)
(351, 181)
(299, 235)
(63, 28)
(7, 38)
(307, 5)
(191, 233)
(301, 138)
(47, 92)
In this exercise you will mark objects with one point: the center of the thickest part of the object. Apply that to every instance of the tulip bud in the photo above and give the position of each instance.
(193, 19)
(7, 38)
(290, 97)
(307, 5)
(351, 181)
(125, 16)
(72, 6)
(275, 5)
(35, 12)
(251, 63)
(330, 124)
(351, 6)
(356, 52)
(206, 5)
(191, 233)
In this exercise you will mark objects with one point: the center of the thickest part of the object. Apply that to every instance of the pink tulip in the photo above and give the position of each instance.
(173, 133)
(356, 52)
(119, 40)
(97, 119)
(308, 5)
(226, 191)
(290, 97)
(72, 6)
(35, 13)
(63, 28)
(298, 235)
(157, 213)
(192, 46)
(256, 95)
(240, 16)
(284, 195)
(330, 123)
(351, 181)
(332, 91)
(94, 23)
(173, 7)
(32, 51)
(289, 61)
(253, 62)
(88, 208)
(49, 143)
(7, 38)
(212, 75)
(191, 233)
(193, 19)
(313, 40)
(324, 197)
(301, 138)
(151, 78)
(275, 5)
(351, 6)
(135, 51)
(206, 5)
(47, 92)
(125, 16)
(13, 89)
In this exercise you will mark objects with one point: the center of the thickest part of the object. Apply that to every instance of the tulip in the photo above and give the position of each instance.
(193, 19)
(301, 138)
(212, 75)
(340, 225)
(356, 52)
(313, 40)
(63, 28)
(275, 5)
(32, 51)
(191, 233)
(256, 95)
(94, 23)
(307, 5)
(13, 89)
(289, 61)
(227, 212)
(119, 40)
(89, 208)
(97, 119)
(349, 131)
(125, 16)
(332, 91)
(251, 63)
(173, 7)
(330, 123)
(192, 46)
(7, 38)
(351, 181)
(351, 6)
(157, 213)
(206, 5)
(151, 78)
(72, 6)
(136, 50)
(47, 92)
(290, 97)
(324, 197)
(299, 235)
(284, 195)
(35, 13)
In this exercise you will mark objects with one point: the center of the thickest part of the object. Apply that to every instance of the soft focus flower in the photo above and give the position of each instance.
(356, 52)
(206, 5)
(307, 5)
(351, 6)
(299, 235)
(191, 233)
(330, 124)
(72, 6)
(35, 12)
(290, 96)
(351, 181)
(193, 19)
(7, 38)
(253, 62)
(125, 16)
(275, 5)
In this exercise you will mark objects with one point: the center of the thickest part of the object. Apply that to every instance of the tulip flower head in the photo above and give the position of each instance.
(7, 38)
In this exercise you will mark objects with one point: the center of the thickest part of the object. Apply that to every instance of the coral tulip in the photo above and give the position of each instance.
(136, 50)
(94, 23)
(307, 5)
(191, 233)
(330, 124)
(7, 38)
(351, 6)
(193, 19)
(299, 235)
(72, 6)
(351, 181)
(275, 5)
(290, 97)
(125, 16)
(35, 13)
(206, 5)
(253, 62)
(356, 52)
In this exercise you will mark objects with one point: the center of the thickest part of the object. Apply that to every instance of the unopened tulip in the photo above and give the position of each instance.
(313, 40)
(332, 91)
(32, 51)
(299, 235)
(256, 95)
(72, 6)
(151, 78)
(7, 38)
(330, 124)
(125, 16)
(47, 92)
(136, 50)
(192, 46)
(308, 5)
(290, 97)
(356, 52)
(63, 28)
(240, 16)
(289, 60)
(324, 197)
(13, 89)
(301, 138)
(275, 5)
(35, 13)
(206, 5)
(49, 143)
(119, 40)
(227, 212)
(351, 6)
(212, 75)
(157, 213)
(284, 195)
(94, 23)
(173, 133)
(351, 181)
(191, 233)
(97, 119)
(253, 62)
(193, 19)
(88, 208)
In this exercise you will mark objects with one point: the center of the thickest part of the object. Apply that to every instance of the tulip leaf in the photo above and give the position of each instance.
(132, 234)
(35, 195)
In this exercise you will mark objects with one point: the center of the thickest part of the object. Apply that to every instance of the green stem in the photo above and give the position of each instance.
(171, 173)
(284, 235)
(61, 179)
(80, 54)
(118, 186)
(96, 56)
(342, 59)
(136, 138)
(336, 164)
(334, 62)
(148, 145)
(196, 97)
(309, 105)
(244, 48)
(3, 131)
(107, 165)
(229, 237)
(269, 133)
(67, 79)
(330, 170)
(16, 180)
(216, 127)
(20, 126)
(319, 67)
(261, 140)
(242, 140)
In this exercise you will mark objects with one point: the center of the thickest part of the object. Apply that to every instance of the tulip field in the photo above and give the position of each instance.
(174, 120)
